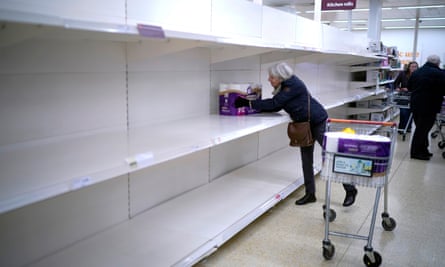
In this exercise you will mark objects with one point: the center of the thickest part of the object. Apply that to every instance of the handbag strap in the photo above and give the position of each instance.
(308, 106)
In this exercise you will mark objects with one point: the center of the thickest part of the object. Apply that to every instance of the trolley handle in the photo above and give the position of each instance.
(381, 123)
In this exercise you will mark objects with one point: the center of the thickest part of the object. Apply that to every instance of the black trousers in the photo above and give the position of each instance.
(307, 157)
(424, 123)
(404, 117)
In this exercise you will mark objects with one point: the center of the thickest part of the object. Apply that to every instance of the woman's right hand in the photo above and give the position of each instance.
(241, 102)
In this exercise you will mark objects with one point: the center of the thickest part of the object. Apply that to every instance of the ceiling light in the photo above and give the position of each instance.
(324, 11)
(429, 19)
(393, 20)
(416, 7)
(411, 27)
(353, 21)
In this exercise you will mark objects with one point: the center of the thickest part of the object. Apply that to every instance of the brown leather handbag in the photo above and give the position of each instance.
(300, 133)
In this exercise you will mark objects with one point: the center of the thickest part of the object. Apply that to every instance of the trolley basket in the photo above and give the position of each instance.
(364, 159)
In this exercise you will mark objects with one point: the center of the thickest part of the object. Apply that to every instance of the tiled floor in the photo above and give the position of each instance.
(290, 235)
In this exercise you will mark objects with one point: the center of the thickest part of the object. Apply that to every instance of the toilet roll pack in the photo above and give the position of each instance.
(228, 92)
(374, 147)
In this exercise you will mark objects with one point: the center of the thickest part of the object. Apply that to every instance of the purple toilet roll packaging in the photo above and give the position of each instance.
(370, 146)
(229, 92)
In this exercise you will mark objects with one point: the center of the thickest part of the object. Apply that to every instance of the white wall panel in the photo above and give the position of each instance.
(338, 40)
(278, 27)
(331, 79)
(309, 74)
(231, 155)
(166, 96)
(40, 229)
(58, 55)
(167, 87)
(145, 56)
(46, 105)
(234, 17)
(159, 183)
(98, 11)
(189, 16)
(243, 63)
(308, 33)
(272, 139)
(325, 82)
(56, 87)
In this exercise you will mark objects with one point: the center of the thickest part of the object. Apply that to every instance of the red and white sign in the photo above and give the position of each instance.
(337, 4)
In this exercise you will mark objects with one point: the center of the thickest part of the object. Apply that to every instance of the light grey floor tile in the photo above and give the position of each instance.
(290, 235)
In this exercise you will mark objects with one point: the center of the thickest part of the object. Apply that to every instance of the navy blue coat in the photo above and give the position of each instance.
(293, 98)
(427, 87)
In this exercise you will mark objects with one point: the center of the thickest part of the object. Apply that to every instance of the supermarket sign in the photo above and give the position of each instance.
(337, 4)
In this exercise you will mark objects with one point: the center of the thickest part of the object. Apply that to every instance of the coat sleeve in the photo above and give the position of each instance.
(397, 81)
(279, 101)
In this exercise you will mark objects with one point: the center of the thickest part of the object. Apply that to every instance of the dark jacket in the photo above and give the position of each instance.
(293, 98)
(402, 80)
(427, 87)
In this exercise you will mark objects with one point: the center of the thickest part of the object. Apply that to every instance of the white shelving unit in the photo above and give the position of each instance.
(374, 77)
(110, 149)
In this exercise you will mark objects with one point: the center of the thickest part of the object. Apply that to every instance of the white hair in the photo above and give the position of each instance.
(281, 70)
(434, 59)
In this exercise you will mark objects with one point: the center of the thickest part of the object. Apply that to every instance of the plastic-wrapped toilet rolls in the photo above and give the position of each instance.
(365, 145)
(360, 146)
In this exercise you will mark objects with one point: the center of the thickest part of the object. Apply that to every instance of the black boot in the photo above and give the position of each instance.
(308, 198)
(350, 198)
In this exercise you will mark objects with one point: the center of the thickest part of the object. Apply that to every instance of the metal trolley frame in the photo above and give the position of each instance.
(440, 121)
(398, 99)
(377, 180)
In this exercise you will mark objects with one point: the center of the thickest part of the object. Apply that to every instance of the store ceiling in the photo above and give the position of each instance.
(432, 15)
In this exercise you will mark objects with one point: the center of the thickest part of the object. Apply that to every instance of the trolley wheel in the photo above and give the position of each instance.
(328, 250)
(332, 215)
(441, 144)
(373, 262)
(403, 137)
(388, 224)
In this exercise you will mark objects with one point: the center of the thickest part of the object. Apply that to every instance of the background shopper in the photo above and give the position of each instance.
(291, 94)
(427, 87)
(401, 86)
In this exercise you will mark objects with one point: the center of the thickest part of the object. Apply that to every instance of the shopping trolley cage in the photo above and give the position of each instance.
(368, 175)
(401, 100)
(440, 121)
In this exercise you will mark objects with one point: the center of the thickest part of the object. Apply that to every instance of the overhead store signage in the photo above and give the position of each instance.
(337, 4)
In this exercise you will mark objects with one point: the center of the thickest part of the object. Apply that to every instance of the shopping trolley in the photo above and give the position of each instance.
(369, 171)
(440, 121)
(401, 100)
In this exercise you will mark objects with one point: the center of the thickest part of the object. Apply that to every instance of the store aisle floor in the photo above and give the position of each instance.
(290, 235)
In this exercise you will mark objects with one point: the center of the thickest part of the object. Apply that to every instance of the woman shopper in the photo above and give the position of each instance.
(291, 94)
(401, 86)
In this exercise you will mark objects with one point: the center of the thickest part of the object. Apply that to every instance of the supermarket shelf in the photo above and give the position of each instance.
(206, 217)
(59, 165)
